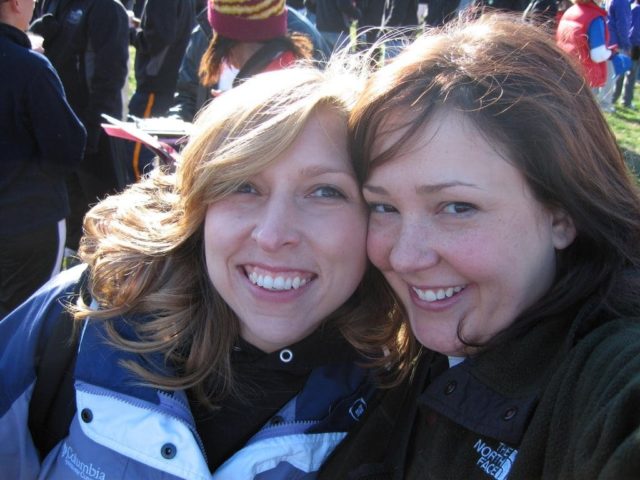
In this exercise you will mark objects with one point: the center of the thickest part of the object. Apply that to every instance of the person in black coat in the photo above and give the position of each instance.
(160, 42)
(87, 41)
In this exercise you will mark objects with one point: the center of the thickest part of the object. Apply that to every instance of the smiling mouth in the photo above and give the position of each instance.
(280, 281)
(438, 294)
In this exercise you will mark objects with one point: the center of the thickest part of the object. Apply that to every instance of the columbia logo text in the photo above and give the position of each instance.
(86, 471)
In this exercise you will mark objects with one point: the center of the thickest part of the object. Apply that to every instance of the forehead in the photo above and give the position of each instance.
(443, 127)
(449, 147)
(320, 146)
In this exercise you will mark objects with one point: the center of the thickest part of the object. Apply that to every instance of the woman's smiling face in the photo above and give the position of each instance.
(459, 235)
(289, 246)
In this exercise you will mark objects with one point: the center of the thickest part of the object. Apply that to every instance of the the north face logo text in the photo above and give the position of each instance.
(495, 462)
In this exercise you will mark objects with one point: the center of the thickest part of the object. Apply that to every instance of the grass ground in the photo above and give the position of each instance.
(625, 123)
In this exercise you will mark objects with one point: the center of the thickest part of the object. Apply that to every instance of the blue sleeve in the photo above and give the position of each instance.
(622, 23)
(596, 33)
(22, 335)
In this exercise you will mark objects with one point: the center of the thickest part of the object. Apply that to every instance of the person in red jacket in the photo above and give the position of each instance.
(582, 33)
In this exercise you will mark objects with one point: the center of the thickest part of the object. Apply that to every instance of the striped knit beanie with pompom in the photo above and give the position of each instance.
(248, 20)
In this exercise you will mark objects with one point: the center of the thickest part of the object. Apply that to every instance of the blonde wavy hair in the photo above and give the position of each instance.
(144, 247)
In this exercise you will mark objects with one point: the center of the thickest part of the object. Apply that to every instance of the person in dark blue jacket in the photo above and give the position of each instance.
(629, 78)
(41, 141)
(618, 25)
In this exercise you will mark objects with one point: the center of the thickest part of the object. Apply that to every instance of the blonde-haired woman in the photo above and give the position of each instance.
(229, 326)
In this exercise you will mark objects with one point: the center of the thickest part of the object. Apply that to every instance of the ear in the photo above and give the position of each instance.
(16, 6)
(563, 230)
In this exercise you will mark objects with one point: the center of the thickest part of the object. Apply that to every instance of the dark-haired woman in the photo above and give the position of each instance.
(509, 231)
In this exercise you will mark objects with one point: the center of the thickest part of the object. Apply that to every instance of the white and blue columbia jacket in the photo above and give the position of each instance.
(124, 430)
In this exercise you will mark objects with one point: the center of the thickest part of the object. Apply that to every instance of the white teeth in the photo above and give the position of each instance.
(277, 283)
(440, 294)
(267, 282)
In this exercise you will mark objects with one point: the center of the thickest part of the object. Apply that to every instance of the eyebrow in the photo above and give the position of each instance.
(316, 170)
(422, 189)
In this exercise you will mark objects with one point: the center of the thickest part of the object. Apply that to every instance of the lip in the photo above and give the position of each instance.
(275, 270)
(438, 305)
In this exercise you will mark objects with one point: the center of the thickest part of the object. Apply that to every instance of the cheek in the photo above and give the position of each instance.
(221, 235)
(379, 245)
(349, 241)
(350, 270)
(210, 240)
(483, 261)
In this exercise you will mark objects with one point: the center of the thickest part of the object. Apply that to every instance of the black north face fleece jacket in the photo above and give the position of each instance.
(560, 402)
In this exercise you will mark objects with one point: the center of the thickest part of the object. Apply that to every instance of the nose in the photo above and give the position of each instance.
(414, 249)
(277, 225)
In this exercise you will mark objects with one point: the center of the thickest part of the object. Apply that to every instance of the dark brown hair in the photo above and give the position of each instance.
(526, 96)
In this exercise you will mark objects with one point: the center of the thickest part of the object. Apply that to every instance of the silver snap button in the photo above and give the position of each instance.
(510, 413)
(286, 355)
(86, 415)
(168, 451)
(450, 388)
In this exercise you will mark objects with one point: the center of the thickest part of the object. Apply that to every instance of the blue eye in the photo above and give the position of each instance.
(246, 188)
(381, 208)
(327, 192)
(458, 208)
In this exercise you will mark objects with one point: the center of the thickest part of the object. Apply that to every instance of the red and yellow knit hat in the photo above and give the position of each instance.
(248, 20)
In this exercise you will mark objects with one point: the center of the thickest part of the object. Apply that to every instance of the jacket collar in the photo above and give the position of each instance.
(325, 346)
(15, 35)
(101, 364)
(496, 392)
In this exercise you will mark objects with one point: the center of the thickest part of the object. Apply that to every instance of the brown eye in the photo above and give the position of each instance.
(381, 208)
(458, 208)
